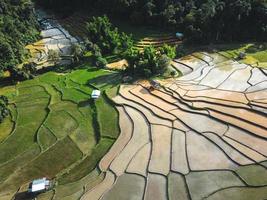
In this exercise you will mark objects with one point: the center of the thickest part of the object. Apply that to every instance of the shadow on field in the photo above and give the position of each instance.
(85, 103)
(105, 80)
(25, 196)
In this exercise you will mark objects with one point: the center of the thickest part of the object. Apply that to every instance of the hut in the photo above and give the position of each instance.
(39, 185)
(95, 94)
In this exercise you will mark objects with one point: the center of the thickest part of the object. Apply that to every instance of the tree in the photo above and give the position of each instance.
(163, 62)
(53, 55)
(170, 51)
(18, 27)
(30, 67)
(101, 32)
(7, 56)
(3, 108)
(148, 63)
(201, 20)
(101, 62)
(77, 52)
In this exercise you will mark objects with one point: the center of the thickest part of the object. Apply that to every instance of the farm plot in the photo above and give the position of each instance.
(200, 136)
(52, 132)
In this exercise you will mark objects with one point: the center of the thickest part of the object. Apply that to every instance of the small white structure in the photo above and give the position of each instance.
(179, 35)
(39, 185)
(95, 94)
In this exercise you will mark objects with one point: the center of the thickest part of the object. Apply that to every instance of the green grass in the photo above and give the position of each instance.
(67, 190)
(88, 164)
(46, 137)
(106, 81)
(6, 128)
(74, 95)
(107, 117)
(7, 169)
(112, 92)
(54, 128)
(31, 115)
(68, 123)
(48, 164)
(84, 75)
(256, 53)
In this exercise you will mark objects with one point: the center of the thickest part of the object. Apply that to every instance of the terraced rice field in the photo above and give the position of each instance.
(53, 131)
(157, 41)
(201, 136)
(257, 57)
(54, 37)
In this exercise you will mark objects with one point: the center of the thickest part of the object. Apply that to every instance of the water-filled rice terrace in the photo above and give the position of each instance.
(200, 136)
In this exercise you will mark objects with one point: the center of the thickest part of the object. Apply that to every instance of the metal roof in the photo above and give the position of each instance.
(38, 185)
(95, 93)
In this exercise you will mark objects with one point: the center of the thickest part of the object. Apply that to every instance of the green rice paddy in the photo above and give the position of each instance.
(52, 131)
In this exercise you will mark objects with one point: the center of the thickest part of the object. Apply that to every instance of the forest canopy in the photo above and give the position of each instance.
(200, 20)
(18, 27)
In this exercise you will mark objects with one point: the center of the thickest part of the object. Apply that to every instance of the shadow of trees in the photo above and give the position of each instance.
(25, 196)
(103, 81)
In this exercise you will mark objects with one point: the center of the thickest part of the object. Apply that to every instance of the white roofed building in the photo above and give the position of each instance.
(39, 185)
(95, 94)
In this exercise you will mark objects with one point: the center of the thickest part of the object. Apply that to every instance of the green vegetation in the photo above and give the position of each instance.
(106, 118)
(3, 108)
(148, 63)
(17, 21)
(52, 126)
(87, 165)
(101, 32)
(105, 41)
(202, 21)
(256, 54)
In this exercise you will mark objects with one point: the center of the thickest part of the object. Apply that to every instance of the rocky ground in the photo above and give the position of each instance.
(201, 136)
(54, 37)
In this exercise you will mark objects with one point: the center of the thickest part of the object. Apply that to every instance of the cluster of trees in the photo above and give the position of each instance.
(150, 62)
(3, 108)
(18, 27)
(27, 71)
(101, 32)
(105, 39)
(201, 20)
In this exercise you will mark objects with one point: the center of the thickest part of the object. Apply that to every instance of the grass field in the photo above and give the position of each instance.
(256, 54)
(51, 130)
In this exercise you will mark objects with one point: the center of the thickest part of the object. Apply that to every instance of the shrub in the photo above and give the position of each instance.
(53, 55)
(3, 108)
(101, 62)
(168, 50)
(147, 63)
(77, 52)
(163, 62)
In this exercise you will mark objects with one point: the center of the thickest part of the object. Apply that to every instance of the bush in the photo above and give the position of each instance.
(101, 62)
(77, 52)
(163, 62)
(3, 108)
(180, 51)
(168, 50)
(53, 55)
(28, 71)
(149, 63)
